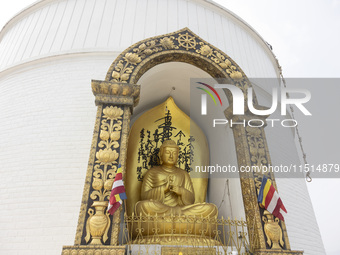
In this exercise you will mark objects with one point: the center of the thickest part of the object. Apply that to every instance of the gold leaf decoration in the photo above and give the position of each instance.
(104, 135)
(106, 156)
(205, 50)
(236, 75)
(115, 135)
(113, 113)
(132, 58)
(167, 43)
(108, 184)
(97, 184)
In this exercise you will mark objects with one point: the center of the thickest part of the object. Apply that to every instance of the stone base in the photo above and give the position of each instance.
(93, 250)
(277, 252)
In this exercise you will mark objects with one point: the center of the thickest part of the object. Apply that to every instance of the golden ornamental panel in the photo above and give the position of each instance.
(95, 225)
(105, 166)
(93, 250)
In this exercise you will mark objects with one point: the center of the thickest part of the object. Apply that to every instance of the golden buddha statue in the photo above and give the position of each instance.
(168, 191)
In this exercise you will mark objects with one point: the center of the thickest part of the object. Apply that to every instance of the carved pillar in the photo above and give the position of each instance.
(96, 228)
(252, 150)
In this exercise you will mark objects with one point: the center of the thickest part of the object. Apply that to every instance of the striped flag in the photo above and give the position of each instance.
(117, 192)
(270, 199)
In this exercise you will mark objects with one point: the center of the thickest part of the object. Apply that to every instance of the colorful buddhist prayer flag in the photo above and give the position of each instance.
(270, 199)
(117, 192)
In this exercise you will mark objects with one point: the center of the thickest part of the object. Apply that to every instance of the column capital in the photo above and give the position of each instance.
(116, 93)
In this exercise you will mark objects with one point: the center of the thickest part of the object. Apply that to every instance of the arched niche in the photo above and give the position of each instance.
(156, 85)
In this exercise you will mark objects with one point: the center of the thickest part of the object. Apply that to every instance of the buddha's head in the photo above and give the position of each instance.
(168, 153)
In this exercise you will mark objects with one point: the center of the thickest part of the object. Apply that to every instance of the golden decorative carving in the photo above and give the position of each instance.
(110, 135)
(273, 231)
(256, 146)
(168, 43)
(106, 157)
(93, 250)
(186, 41)
(104, 169)
(134, 61)
(115, 93)
(115, 89)
(205, 50)
(98, 224)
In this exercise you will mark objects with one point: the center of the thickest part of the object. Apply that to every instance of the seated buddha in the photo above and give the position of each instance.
(168, 191)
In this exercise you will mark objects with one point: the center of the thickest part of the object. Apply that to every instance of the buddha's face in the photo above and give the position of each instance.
(169, 156)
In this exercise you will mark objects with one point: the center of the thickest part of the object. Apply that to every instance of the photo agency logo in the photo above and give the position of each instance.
(239, 101)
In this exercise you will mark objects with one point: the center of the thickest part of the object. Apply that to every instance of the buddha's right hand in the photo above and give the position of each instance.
(168, 183)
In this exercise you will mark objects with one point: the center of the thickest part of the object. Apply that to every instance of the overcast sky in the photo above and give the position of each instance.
(305, 36)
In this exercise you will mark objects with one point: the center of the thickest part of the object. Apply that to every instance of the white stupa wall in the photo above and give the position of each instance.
(49, 54)
(47, 120)
(59, 27)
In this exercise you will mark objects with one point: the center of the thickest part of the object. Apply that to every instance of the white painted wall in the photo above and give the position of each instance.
(60, 26)
(47, 118)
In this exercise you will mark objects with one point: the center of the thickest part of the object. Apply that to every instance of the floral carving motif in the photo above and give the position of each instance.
(167, 43)
(224, 63)
(236, 75)
(205, 50)
(124, 67)
(97, 183)
(127, 63)
(104, 135)
(132, 58)
(106, 156)
(115, 135)
(104, 172)
(113, 113)
(256, 146)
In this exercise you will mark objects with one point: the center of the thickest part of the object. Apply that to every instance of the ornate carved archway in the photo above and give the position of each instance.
(181, 46)
(118, 94)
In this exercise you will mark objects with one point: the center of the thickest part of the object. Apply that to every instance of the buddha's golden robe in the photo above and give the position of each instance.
(157, 199)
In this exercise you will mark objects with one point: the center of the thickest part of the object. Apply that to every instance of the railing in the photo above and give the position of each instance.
(187, 235)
